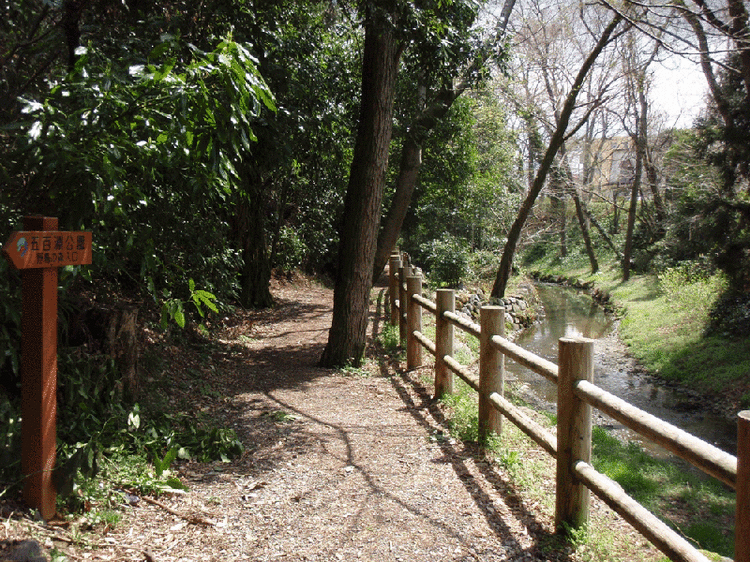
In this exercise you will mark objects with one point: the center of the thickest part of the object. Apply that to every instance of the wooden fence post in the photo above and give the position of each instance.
(742, 513)
(414, 322)
(402, 303)
(575, 362)
(491, 370)
(446, 301)
(393, 267)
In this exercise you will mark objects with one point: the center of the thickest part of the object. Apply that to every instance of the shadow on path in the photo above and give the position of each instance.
(273, 374)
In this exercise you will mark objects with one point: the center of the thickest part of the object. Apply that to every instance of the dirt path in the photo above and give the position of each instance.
(338, 466)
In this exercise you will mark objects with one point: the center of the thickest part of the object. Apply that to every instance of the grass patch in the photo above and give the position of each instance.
(665, 332)
(281, 416)
(352, 371)
(389, 339)
(463, 419)
(698, 507)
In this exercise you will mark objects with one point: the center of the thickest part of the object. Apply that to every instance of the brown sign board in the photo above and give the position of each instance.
(36, 249)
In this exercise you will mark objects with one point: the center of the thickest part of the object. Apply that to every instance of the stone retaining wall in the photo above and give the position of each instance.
(520, 308)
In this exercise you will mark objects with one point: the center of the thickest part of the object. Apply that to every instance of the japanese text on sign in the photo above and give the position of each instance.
(31, 249)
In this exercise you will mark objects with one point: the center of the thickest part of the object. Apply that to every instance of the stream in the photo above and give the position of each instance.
(569, 312)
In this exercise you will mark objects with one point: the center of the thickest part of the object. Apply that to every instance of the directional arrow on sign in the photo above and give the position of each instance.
(36, 249)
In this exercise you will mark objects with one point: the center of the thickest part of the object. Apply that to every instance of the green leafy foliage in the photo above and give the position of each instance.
(10, 328)
(443, 36)
(173, 308)
(139, 151)
(94, 424)
(446, 260)
(707, 183)
(390, 340)
(463, 419)
(666, 489)
(730, 316)
(10, 442)
(291, 251)
(469, 182)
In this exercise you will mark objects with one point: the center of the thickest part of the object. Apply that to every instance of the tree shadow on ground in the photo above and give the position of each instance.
(408, 387)
(459, 455)
(246, 377)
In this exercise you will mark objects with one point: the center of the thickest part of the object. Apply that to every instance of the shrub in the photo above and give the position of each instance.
(291, 250)
(730, 317)
(691, 283)
(447, 260)
(483, 263)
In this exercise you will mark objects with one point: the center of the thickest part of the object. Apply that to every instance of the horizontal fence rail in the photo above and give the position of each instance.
(577, 394)
(524, 357)
(709, 459)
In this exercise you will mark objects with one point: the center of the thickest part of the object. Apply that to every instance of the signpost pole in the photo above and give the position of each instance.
(38, 251)
(39, 378)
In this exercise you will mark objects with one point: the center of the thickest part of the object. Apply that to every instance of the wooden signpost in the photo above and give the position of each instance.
(38, 251)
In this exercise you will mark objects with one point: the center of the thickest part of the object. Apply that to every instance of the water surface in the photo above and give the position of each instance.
(569, 312)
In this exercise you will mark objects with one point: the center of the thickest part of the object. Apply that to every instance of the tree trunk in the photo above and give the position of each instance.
(652, 177)
(559, 209)
(583, 221)
(641, 142)
(584, 224)
(411, 160)
(71, 18)
(283, 197)
(122, 346)
(558, 137)
(256, 271)
(634, 191)
(614, 227)
(722, 104)
(603, 233)
(347, 336)
(411, 155)
(627, 254)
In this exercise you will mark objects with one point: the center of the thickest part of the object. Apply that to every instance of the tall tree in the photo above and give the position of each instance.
(581, 212)
(431, 111)
(556, 141)
(552, 40)
(637, 95)
(406, 181)
(380, 60)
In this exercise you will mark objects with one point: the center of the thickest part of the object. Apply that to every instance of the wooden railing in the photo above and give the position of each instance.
(576, 395)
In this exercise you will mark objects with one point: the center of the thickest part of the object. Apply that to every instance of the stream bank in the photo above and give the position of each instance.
(618, 372)
(541, 312)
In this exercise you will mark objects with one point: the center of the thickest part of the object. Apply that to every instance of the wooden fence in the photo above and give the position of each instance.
(576, 395)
